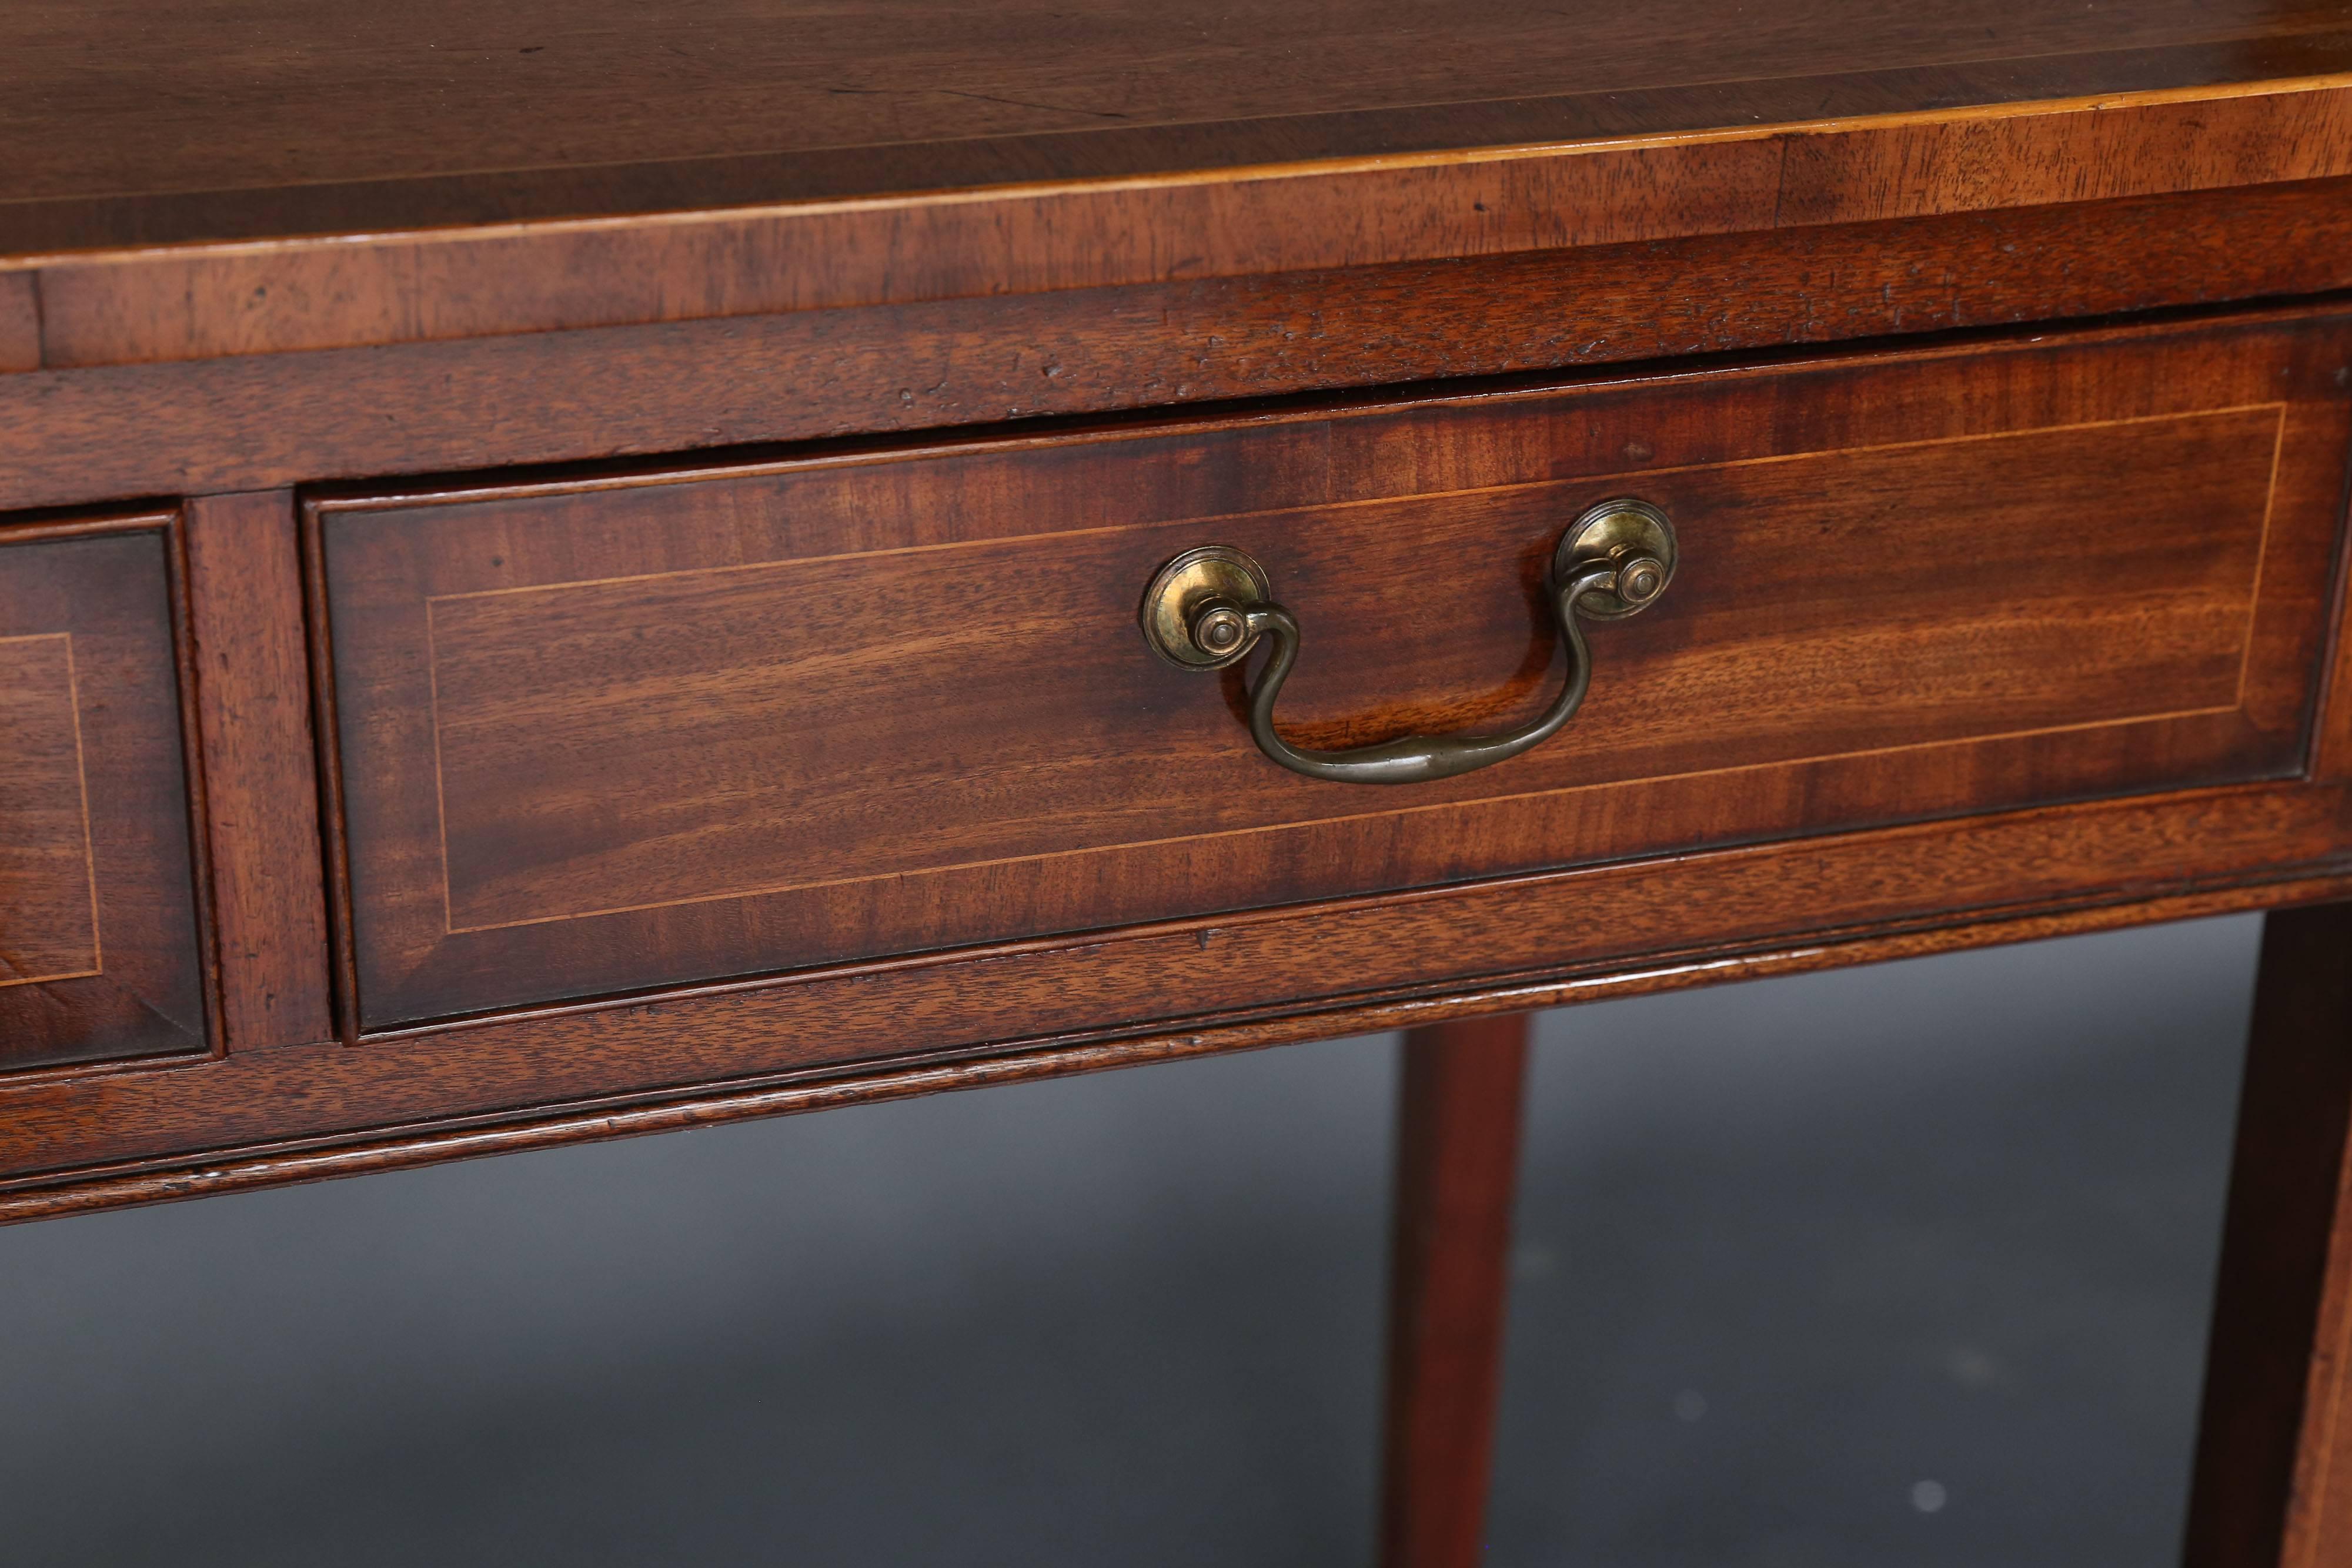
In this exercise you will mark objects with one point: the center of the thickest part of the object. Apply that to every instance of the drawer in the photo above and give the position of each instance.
(101, 947)
(606, 735)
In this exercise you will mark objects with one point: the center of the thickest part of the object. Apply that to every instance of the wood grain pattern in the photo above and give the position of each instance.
(785, 225)
(438, 284)
(48, 876)
(20, 321)
(295, 1161)
(612, 734)
(1456, 1177)
(916, 1026)
(2331, 751)
(259, 422)
(795, 779)
(2269, 1492)
(102, 953)
(2319, 1530)
(253, 690)
(257, 121)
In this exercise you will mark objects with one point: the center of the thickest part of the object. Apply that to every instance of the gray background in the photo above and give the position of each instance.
(1906, 1264)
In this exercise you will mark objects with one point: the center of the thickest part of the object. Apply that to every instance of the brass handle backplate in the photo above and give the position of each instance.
(1209, 607)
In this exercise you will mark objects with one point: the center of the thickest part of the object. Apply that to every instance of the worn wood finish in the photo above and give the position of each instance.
(2269, 1491)
(260, 768)
(101, 951)
(1457, 1175)
(611, 735)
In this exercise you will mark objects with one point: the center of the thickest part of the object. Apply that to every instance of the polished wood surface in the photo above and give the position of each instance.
(610, 734)
(101, 952)
(242, 424)
(640, 628)
(1457, 1174)
(253, 695)
(50, 877)
(1223, 979)
(1222, 982)
(158, 304)
(258, 423)
(2267, 1490)
(246, 119)
(265, 1161)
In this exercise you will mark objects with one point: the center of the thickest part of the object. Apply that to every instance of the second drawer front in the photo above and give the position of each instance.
(635, 733)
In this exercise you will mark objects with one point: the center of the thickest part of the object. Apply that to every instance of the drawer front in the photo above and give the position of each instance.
(99, 948)
(605, 736)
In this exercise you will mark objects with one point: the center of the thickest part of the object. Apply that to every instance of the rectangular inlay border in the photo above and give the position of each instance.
(2162, 715)
(50, 696)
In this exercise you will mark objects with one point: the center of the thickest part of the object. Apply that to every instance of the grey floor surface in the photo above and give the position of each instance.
(1900, 1265)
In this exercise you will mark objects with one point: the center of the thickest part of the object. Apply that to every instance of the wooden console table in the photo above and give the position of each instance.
(567, 573)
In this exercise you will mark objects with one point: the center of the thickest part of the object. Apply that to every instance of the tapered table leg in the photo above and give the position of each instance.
(1457, 1165)
(2273, 1475)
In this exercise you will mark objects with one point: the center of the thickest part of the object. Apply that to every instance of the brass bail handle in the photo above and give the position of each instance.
(1209, 607)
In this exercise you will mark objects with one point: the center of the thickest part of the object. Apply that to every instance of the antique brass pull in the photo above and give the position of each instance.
(1207, 609)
